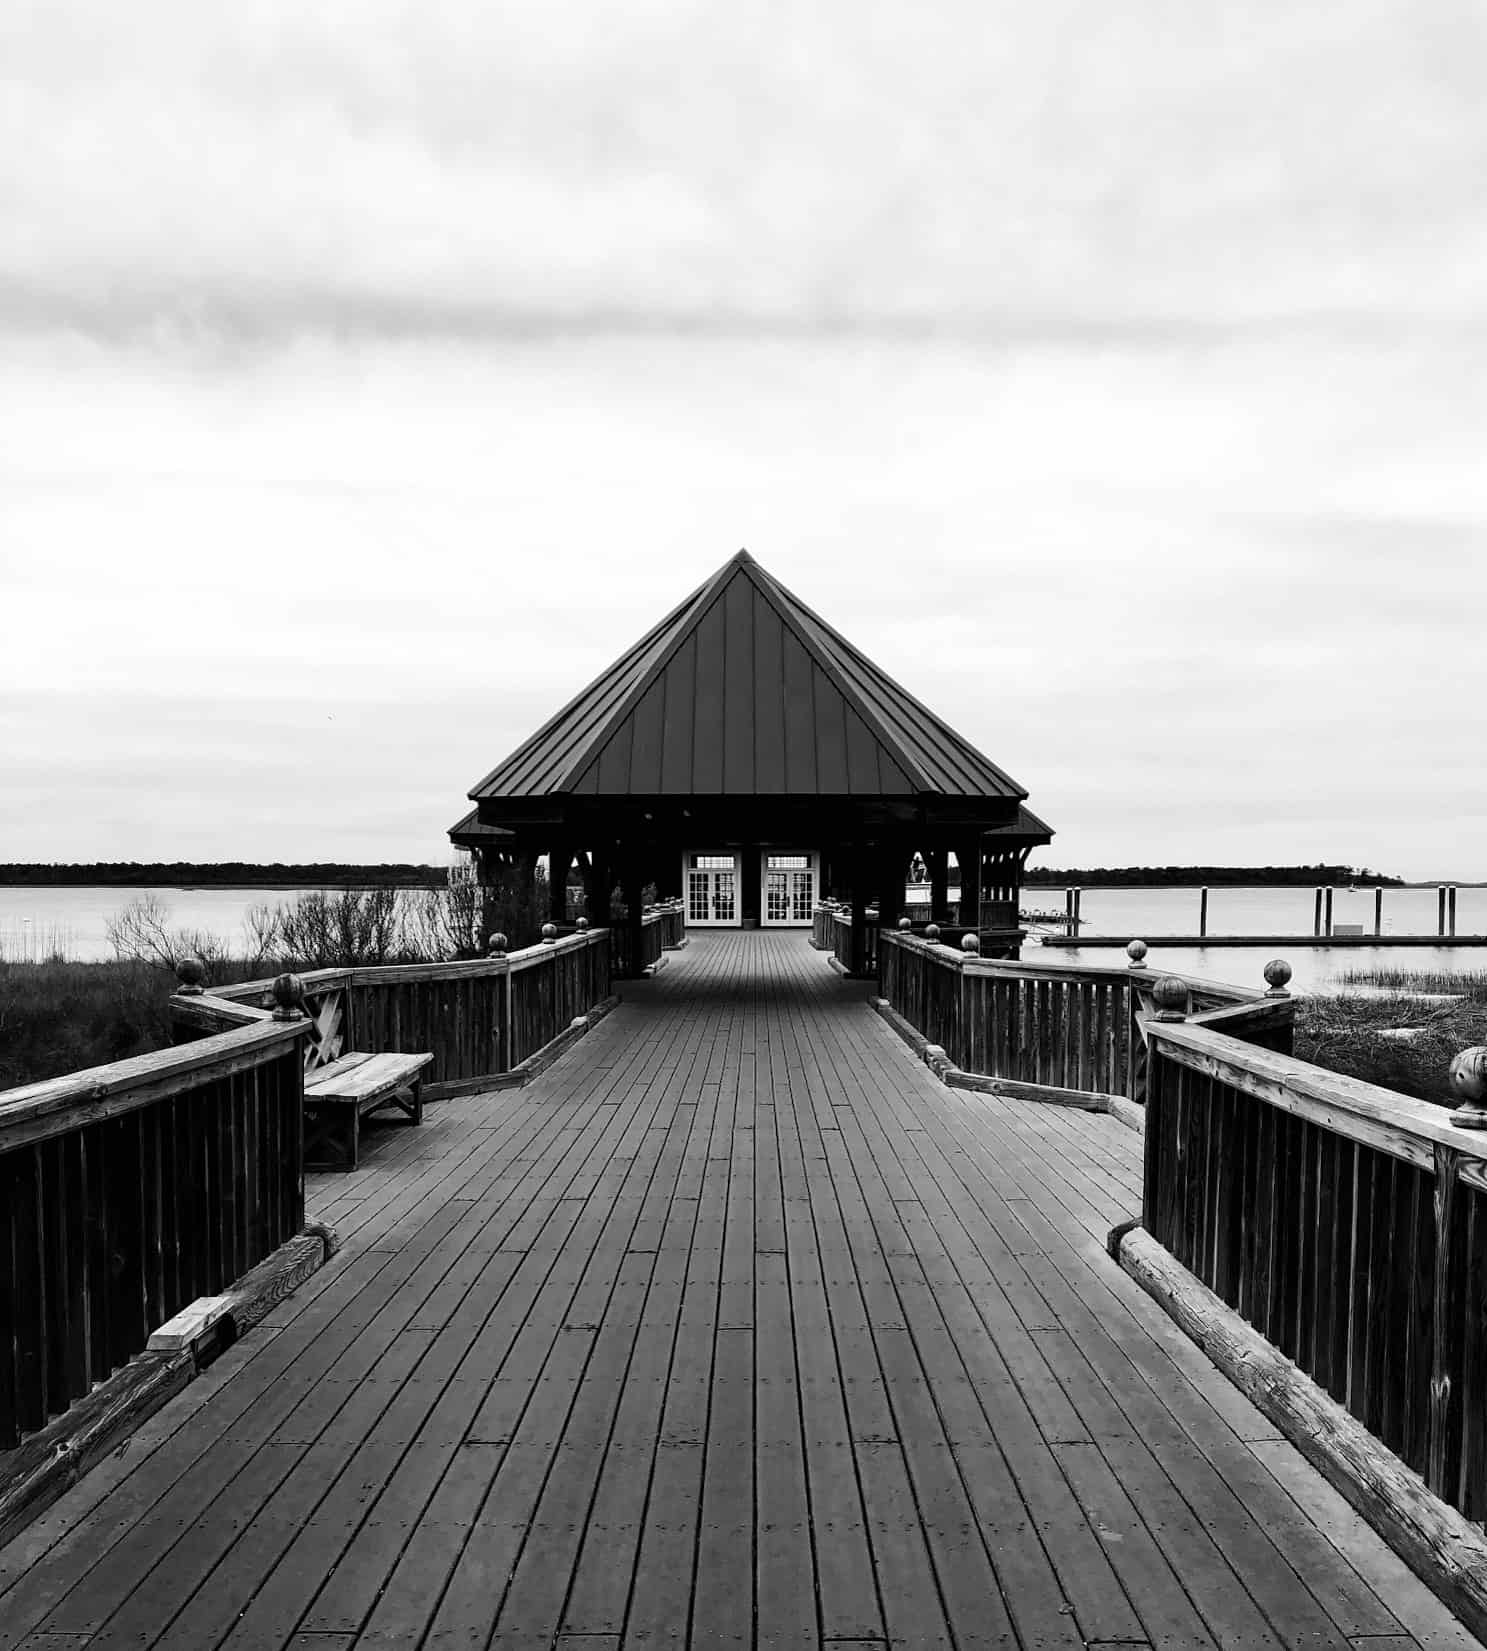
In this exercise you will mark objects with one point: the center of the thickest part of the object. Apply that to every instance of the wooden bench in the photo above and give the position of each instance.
(339, 1094)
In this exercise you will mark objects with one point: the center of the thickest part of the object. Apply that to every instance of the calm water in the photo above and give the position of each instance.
(34, 922)
(1271, 911)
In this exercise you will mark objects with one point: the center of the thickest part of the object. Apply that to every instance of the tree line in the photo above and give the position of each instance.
(221, 874)
(1320, 875)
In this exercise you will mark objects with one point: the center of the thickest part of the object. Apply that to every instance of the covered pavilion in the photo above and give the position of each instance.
(745, 756)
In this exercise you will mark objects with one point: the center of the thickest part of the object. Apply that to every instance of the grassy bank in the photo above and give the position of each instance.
(61, 1017)
(1399, 1028)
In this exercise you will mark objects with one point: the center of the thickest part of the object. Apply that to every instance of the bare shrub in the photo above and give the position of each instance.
(141, 933)
(340, 929)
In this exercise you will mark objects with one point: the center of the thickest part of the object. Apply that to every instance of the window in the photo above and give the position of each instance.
(789, 862)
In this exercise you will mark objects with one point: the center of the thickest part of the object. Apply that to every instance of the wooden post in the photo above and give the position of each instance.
(1077, 914)
(1202, 913)
(1378, 911)
(558, 861)
(890, 863)
(1327, 920)
(1440, 910)
(1316, 916)
(632, 882)
(1448, 1310)
(969, 856)
(1451, 911)
(858, 942)
(599, 882)
(939, 896)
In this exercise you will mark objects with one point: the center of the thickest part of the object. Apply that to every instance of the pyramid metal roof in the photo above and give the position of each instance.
(743, 690)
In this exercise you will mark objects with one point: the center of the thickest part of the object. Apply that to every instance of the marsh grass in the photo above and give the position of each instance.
(1471, 983)
(1359, 1034)
(58, 1017)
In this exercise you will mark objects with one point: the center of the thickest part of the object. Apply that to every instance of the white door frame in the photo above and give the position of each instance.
(705, 889)
(802, 887)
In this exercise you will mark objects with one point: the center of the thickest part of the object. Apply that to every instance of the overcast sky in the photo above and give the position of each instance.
(371, 374)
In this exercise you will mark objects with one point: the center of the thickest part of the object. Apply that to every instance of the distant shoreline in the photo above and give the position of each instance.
(231, 874)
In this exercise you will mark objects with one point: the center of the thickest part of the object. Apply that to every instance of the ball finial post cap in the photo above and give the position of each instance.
(1277, 974)
(970, 943)
(1136, 951)
(549, 933)
(1171, 998)
(289, 997)
(581, 924)
(192, 974)
(497, 945)
(932, 933)
(1468, 1078)
(905, 924)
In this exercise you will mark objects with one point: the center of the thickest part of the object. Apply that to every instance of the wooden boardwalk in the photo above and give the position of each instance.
(734, 1329)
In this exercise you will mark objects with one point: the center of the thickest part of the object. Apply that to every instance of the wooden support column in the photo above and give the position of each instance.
(892, 862)
(859, 872)
(939, 884)
(597, 885)
(968, 852)
(632, 883)
(558, 861)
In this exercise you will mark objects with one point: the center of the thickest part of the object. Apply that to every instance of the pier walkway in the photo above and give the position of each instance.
(736, 1328)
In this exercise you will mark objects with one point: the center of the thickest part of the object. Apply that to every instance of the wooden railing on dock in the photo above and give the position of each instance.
(662, 926)
(1346, 1223)
(479, 1019)
(831, 930)
(1061, 1026)
(127, 1191)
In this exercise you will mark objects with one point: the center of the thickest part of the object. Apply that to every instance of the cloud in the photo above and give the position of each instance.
(389, 168)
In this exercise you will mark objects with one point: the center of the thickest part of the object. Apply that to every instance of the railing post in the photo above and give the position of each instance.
(1448, 1312)
(289, 997)
(496, 947)
(1468, 1079)
(1277, 974)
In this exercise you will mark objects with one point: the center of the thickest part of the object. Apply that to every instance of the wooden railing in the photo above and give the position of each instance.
(661, 926)
(127, 1191)
(479, 1019)
(1346, 1223)
(861, 960)
(1061, 1026)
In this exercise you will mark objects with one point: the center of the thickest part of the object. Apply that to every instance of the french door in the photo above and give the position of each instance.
(789, 889)
(712, 889)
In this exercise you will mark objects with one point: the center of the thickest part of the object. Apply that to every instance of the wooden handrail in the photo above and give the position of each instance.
(479, 1017)
(1377, 1117)
(132, 1189)
(39, 1111)
(1057, 969)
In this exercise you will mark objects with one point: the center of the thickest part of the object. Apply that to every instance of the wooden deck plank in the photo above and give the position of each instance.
(734, 1328)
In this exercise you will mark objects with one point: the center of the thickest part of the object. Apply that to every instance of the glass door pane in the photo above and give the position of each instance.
(723, 900)
(801, 896)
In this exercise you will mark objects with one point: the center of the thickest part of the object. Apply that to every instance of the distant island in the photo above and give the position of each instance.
(231, 874)
(1146, 877)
